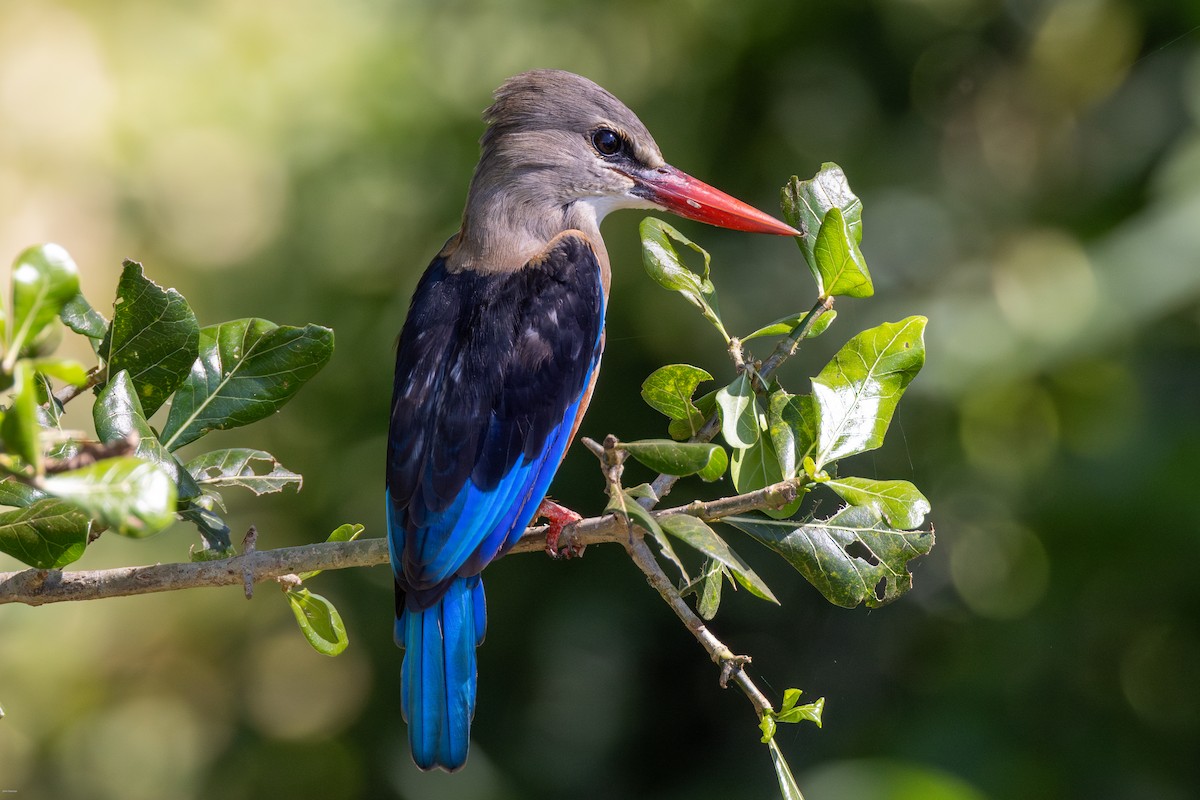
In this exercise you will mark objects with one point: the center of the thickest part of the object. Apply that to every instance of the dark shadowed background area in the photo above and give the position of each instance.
(1031, 179)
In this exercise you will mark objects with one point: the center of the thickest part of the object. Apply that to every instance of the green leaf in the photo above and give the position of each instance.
(256, 470)
(343, 533)
(739, 413)
(131, 496)
(787, 783)
(64, 369)
(78, 315)
(711, 579)
(805, 204)
(681, 429)
(669, 390)
(154, 336)
(757, 467)
(791, 712)
(857, 392)
(48, 534)
(44, 278)
(19, 428)
(791, 425)
(898, 502)
(699, 535)
(665, 266)
(841, 264)
(19, 495)
(785, 325)
(118, 413)
(319, 621)
(679, 458)
(214, 529)
(247, 370)
(624, 504)
(847, 557)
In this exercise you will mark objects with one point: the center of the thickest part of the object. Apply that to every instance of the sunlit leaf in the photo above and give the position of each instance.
(129, 495)
(857, 392)
(739, 413)
(791, 424)
(898, 502)
(699, 535)
(679, 458)
(19, 428)
(44, 278)
(785, 325)
(757, 467)
(247, 370)
(669, 390)
(841, 264)
(851, 557)
(791, 711)
(78, 315)
(256, 470)
(154, 336)
(805, 204)
(63, 369)
(47, 534)
(664, 264)
(319, 621)
(118, 413)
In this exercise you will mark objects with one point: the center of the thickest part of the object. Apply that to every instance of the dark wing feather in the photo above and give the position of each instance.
(490, 367)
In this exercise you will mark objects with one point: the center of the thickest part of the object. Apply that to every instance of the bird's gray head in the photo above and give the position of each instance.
(555, 139)
(559, 153)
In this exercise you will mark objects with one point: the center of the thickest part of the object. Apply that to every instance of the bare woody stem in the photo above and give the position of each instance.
(38, 586)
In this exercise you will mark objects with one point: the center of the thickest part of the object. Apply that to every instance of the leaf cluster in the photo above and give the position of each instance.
(60, 488)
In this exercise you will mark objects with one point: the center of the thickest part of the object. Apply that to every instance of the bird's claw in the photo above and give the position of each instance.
(558, 517)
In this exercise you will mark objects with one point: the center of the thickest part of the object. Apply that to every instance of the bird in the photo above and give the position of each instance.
(496, 362)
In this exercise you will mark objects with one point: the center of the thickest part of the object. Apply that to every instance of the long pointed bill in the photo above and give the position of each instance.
(682, 194)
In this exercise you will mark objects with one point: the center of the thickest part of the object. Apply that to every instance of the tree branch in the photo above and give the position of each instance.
(37, 587)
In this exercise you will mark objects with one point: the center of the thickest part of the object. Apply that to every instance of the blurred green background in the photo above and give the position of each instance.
(1031, 179)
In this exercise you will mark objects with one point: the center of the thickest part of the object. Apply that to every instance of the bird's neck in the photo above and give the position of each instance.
(503, 230)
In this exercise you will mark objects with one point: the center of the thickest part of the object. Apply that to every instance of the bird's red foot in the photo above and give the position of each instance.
(558, 518)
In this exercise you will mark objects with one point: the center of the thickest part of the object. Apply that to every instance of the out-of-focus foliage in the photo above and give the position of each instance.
(1031, 179)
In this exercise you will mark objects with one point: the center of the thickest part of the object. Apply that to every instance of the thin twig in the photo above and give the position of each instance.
(38, 586)
(66, 394)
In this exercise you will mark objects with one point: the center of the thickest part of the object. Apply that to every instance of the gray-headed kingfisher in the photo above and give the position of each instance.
(496, 364)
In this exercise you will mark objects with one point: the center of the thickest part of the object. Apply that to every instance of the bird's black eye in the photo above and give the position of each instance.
(606, 142)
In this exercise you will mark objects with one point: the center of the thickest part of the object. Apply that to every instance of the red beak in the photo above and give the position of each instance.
(682, 194)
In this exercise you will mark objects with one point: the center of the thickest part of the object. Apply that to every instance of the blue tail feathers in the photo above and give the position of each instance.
(438, 677)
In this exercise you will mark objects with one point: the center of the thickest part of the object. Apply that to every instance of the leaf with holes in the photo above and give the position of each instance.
(154, 337)
(857, 392)
(899, 502)
(247, 370)
(47, 534)
(851, 557)
(256, 470)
